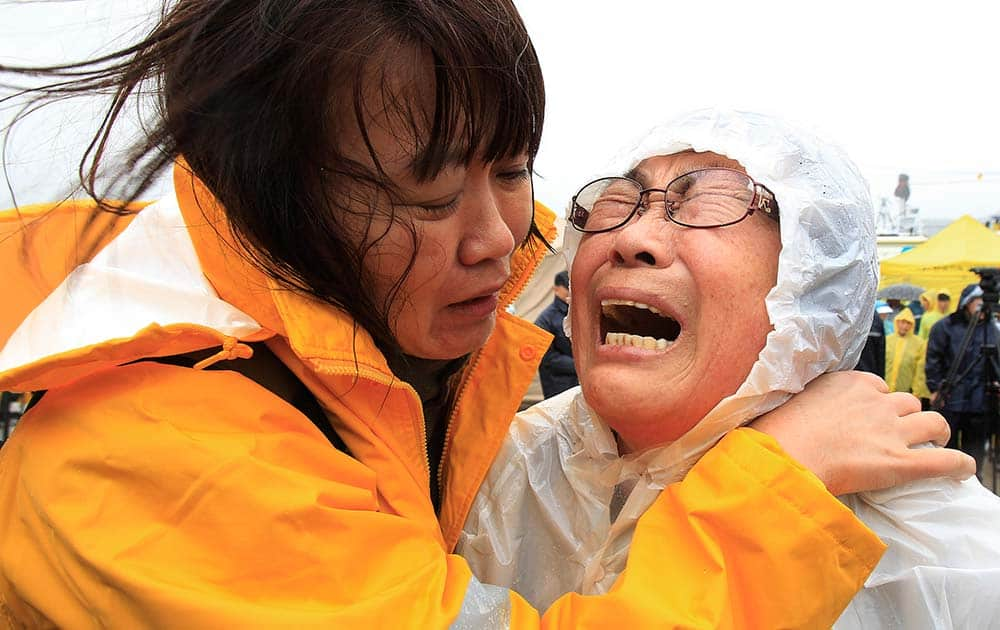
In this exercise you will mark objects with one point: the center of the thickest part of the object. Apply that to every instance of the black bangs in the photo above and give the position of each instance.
(489, 96)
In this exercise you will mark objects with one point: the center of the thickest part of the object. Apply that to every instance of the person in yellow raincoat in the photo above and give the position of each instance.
(905, 356)
(941, 307)
(271, 398)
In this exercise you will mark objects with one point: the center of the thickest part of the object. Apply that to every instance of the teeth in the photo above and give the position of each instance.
(651, 309)
(635, 341)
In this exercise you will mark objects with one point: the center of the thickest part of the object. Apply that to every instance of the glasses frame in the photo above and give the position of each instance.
(763, 200)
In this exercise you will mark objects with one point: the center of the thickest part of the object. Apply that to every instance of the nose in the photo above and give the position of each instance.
(488, 234)
(649, 240)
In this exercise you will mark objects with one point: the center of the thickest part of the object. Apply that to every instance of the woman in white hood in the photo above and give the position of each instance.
(695, 310)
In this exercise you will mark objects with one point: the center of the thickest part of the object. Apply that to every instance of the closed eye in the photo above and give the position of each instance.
(440, 209)
(432, 209)
(515, 176)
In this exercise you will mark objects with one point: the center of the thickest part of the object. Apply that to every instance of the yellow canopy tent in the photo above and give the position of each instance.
(943, 261)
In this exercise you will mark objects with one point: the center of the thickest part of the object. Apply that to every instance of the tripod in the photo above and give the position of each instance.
(987, 356)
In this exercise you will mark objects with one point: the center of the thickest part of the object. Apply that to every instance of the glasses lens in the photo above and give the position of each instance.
(709, 197)
(604, 204)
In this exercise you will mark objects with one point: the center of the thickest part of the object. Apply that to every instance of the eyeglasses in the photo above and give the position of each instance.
(705, 198)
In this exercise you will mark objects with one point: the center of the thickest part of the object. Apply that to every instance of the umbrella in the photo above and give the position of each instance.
(901, 291)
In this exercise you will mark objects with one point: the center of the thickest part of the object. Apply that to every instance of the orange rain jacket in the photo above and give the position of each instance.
(141, 494)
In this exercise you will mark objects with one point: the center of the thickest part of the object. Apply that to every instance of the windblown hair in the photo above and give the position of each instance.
(254, 96)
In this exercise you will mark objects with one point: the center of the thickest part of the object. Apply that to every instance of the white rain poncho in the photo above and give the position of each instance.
(544, 521)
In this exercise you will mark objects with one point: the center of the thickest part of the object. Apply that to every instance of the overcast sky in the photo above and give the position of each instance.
(908, 87)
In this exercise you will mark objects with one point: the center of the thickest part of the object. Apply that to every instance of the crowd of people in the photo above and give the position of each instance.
(918, 349)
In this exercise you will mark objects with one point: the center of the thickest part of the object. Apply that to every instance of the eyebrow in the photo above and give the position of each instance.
(639, 176)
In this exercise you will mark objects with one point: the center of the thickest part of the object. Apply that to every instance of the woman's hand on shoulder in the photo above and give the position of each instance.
(848, 429)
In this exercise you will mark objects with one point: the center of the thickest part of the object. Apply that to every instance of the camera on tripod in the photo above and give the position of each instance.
(989, 282)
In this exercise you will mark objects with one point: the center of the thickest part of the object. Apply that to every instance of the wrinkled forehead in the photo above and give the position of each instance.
(657, 170)
(767, 150)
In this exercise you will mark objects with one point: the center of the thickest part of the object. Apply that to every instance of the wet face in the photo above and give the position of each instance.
(459, 229)
(903, 327)
(697, 295)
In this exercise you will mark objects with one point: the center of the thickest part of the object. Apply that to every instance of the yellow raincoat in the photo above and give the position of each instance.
(138, 494)
(905, 357)
(931, 315)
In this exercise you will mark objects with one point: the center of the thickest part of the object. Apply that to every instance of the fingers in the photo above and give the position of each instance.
(925, 426)
(873, 380)
(904, 403)
(849, 379)
(939, 462)
(877, 382)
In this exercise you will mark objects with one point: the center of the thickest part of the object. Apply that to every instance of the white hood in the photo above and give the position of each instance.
(821, 306)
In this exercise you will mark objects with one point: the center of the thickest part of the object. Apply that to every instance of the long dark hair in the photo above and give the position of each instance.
(251, 95)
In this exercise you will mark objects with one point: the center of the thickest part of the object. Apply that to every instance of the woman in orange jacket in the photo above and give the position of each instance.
(270, 400)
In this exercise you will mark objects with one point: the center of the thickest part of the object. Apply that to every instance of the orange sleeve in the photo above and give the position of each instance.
(749, 539)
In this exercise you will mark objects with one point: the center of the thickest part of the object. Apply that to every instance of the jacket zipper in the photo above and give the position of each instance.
(533, 262)
(380, 378)
(469, 369)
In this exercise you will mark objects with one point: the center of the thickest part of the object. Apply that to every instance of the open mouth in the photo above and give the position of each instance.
(638, 325)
